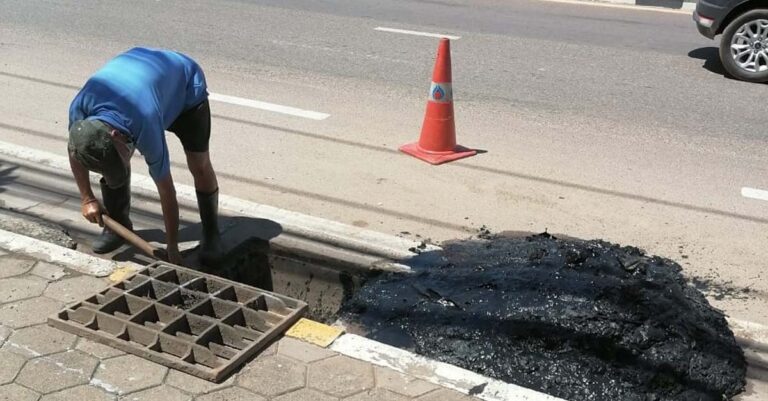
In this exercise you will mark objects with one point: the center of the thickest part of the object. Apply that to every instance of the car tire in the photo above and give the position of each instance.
(740, 65)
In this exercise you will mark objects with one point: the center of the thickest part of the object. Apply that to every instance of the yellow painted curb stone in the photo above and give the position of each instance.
(121, 273)
(313, 332)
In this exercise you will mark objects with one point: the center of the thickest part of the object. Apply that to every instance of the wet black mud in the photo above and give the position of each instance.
(581, 320)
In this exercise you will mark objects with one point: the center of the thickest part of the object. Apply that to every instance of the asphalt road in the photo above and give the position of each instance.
(598, 122)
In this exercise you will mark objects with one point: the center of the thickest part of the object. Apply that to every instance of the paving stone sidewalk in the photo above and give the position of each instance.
(38, 362)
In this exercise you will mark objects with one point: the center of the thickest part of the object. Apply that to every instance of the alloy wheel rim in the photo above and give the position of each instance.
(749, 46)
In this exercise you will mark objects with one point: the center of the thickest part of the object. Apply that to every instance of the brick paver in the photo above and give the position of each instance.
(402, 384)
(14, 288)
(14, 392)
(194, 385)
(79, 393)
(305, 394)
(129, 373)
(48, 271)
(50, 373)
(446, 395)
(5, 332)
(377, 394)
(13, 266)
(28, 312)
(38, 362)
(231, 394)
(164, 393)
(39, 340)
(74, 289)
(302, 351)
(10, 365)
(273, 375)
(100, 351)
(341, 376)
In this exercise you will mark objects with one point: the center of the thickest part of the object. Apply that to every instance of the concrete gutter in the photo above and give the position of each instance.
(297, 225)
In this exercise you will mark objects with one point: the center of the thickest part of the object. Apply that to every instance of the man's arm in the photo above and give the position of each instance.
(89, 205)
(170, 207)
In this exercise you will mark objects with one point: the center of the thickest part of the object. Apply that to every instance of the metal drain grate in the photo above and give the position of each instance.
(190, 321)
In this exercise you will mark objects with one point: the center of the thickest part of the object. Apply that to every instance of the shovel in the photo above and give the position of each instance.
(134, 239)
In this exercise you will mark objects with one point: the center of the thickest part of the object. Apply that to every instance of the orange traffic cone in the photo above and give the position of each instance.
(437, 143)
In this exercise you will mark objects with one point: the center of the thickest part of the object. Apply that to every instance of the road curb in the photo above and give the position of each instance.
(297, 224)
(59, 255)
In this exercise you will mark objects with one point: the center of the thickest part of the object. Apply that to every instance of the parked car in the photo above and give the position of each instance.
(744, 28)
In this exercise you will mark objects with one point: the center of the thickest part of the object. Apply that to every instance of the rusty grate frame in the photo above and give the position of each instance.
(194, 322)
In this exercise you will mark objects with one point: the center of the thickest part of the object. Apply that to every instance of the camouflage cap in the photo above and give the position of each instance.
(91, 144)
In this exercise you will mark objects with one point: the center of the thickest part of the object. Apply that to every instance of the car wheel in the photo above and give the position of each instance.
(744, 46)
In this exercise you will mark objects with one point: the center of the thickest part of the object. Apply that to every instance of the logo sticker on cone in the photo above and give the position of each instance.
(437, 143)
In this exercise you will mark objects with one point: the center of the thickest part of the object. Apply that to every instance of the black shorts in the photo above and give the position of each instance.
(193, 127)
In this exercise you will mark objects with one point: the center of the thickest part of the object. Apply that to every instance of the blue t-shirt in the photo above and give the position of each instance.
(141, 93)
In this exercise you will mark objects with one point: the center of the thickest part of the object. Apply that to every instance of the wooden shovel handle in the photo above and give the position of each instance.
(133, 239)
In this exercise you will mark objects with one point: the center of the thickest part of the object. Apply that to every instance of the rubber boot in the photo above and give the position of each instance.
(117, 202)
(210, 245)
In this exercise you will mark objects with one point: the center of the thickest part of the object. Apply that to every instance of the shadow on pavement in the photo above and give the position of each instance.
(711, 57)
(235, 230)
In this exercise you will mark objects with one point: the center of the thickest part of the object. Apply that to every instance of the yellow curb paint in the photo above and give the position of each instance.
(121, 273)
(313, 332)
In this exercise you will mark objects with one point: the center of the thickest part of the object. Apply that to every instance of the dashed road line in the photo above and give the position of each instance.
(275, 108)
(754, 193)
(417, 33)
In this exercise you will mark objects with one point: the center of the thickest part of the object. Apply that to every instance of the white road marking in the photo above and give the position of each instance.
(754, 193)
(276, 108)
(417, 33)
(629, 5)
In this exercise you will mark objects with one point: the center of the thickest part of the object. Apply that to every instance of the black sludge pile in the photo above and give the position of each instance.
(581, 320)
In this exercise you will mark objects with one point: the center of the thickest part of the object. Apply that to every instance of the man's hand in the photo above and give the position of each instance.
(91, 210)
(171, 217)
